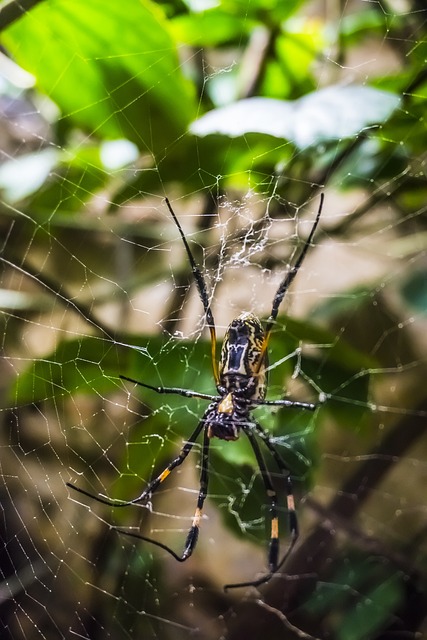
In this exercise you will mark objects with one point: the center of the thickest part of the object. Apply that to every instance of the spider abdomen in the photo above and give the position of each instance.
(242, 366)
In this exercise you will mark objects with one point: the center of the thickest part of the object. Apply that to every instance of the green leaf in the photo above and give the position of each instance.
(373, 611)
(338, 370)
(82, 365)
(210, 28)
(93, 365)
(112, 67)
(329, 114)
(363, 594)
(310, 333)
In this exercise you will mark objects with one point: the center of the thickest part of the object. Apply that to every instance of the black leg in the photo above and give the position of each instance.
(145, 495)
(290, 500)
(287, 281)
(289, 404)
(203, 292)
(187, 393)
(289, 278)
(193, 534)
(273, 553)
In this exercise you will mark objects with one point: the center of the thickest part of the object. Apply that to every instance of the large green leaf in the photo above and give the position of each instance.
(112, 67)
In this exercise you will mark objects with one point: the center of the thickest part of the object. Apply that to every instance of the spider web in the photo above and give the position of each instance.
(95, 284)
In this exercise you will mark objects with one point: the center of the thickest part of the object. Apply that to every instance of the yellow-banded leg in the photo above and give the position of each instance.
(273, 552)
(290, 501)
(193, 534)
(154, 484)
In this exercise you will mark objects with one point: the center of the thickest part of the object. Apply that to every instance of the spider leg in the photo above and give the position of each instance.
(154, 484)
(187, 393)
(290, 404)
(193, 534)
(290, 500)
(273, 553)
(288, 279)
(203, 292)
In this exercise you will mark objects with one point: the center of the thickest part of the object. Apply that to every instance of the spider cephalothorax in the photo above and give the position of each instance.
(241, 381)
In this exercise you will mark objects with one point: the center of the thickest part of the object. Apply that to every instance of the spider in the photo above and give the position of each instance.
(241, 383)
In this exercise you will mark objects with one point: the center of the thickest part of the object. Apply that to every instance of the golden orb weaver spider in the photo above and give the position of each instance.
(241, 381)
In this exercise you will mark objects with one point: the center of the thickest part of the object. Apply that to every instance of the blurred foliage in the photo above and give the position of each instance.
(204, 102)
